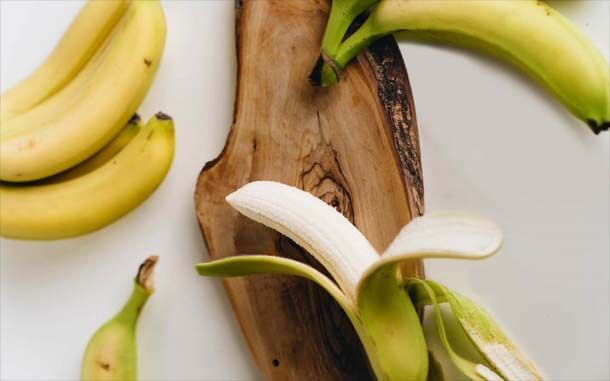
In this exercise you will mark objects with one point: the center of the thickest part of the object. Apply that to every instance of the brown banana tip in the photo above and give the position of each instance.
(598, 127)
(315, 77)
(135, 118)
(163, 116)
(146, 271)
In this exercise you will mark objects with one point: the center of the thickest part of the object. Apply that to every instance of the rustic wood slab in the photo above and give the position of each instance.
(354, 145)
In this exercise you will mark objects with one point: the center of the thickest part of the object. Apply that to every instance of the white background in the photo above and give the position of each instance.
(492, 143)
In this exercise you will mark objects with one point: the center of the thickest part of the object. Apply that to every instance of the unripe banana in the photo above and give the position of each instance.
(102, 157)
(80, 42)
(526, 33)
(116, 90)
(111, 354)
(93, 200)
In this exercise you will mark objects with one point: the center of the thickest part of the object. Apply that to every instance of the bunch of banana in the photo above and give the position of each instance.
(73, 155)
(84, 93)
(528, 34)
(111, 354)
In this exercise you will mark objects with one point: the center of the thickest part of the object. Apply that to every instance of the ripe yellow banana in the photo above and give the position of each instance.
(80, 42)
(93, 200)
(526, 33)
(111, 354)
(115, 91)
(67, 96)
(106, 154)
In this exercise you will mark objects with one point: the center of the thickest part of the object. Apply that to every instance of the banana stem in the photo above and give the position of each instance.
(142, 290)
(331, 65)
(342, 15)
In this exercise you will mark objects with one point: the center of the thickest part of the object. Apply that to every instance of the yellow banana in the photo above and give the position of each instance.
(109, 151)
(116, 89)
(80, 42)
(66, 97)
(93, 200)
(526, 33)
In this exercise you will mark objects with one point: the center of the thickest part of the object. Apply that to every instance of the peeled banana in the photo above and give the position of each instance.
(48, 145)
(111, 353)
(80, 42)
(527, 33)
(370, 288)
(95, 199)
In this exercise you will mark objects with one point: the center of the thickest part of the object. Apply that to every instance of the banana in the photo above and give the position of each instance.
(111, 354)
(95, 199)
(80, 42)
(116, 89)
(370, 289)
(67, 96)
(528, 34)
(103, 156)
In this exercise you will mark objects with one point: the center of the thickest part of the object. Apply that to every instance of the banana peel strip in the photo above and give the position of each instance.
(243, 265)
(487, 337)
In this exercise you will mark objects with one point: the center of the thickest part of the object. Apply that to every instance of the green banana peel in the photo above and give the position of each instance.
(369, 288)
(484, 333)
(560, 57)
(111, 352)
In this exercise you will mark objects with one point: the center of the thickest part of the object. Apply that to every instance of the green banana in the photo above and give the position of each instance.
(111, 353)
(527, 33)
(95, 199)
(370, 289)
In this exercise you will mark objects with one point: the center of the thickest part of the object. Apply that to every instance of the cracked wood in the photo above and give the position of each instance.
(354, 145)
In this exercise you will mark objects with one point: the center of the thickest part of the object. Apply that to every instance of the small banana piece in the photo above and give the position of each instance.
(116, 89)
(95, 199)
(528, 34)
(85, 35)
(369, 288)
(102, 157)
(111, 353)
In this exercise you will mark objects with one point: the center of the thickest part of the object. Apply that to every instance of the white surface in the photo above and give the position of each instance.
(492, 143)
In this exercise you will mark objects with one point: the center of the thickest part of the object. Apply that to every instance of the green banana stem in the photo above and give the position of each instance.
(342, 15)
(142, 290)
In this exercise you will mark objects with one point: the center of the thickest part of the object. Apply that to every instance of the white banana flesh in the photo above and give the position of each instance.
(117, 87)
(370, 289)
(80, 42)
(95, 199)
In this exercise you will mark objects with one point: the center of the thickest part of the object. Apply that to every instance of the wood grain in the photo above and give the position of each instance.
(354, 145)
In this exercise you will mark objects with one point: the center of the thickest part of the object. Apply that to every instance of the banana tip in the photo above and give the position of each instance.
(146, 271)
(135, 119)
(163, 116)
(598, 127)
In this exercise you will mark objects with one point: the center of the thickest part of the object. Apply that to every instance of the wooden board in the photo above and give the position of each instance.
(354, 145)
